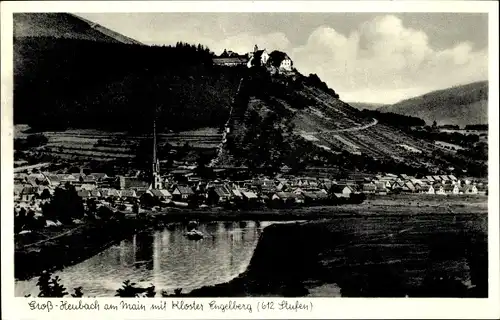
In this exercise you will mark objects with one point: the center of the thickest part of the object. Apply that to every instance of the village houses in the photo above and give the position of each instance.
(283, 190)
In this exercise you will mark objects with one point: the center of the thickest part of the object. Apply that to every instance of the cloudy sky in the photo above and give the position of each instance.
(365, 57)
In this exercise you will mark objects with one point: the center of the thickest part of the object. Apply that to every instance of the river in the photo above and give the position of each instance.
(165, 258)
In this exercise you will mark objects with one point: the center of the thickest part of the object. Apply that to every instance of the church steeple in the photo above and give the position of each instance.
(156, 183)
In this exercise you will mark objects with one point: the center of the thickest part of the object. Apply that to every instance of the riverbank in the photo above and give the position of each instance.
(73, 244)
(392, 256)
(405, 204)
(77, 243)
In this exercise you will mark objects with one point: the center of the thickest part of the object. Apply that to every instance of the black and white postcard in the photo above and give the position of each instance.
(249, 159)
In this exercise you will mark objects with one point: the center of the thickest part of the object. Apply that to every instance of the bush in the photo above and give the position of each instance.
(130, 290)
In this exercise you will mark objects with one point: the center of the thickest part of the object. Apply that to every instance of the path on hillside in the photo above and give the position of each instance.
(366, 126)
(220, 148)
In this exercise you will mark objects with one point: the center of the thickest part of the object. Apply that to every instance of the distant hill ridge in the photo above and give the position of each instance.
(460, 105)
(367, 105)
(64, 25)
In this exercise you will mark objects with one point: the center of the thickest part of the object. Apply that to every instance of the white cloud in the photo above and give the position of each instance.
(383, 61)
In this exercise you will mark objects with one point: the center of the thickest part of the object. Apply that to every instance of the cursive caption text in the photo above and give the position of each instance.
(172, 305)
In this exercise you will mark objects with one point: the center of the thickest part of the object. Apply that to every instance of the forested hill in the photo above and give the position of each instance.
(61, 83)
(64, 25)
(366, 105)
(460, 105)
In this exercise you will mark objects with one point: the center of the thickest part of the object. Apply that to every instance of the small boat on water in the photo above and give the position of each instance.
(194, 234)
(192, 224)
(170, 226)
(141, 262)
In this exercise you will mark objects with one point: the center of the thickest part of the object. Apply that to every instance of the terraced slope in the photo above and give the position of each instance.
(321, 118)
(334, 125)
(101, 145)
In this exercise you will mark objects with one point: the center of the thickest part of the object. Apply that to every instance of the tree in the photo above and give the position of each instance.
(150, 292)
(434, 125)
(91, 207)
(65, 205)
(45, 194)
(183, 151)
(148, 200)
(135, 208)
(50, 287)
(78, 293)
(201, 169)
(443, 285)
(130, 290)
(144, 154)
(177, 293)
(31, 222)
(104, 213)
(163, 151)
(20, 220)
(74, 170)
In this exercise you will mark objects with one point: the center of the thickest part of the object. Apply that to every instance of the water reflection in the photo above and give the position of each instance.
(144, 250)
(165, 258)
